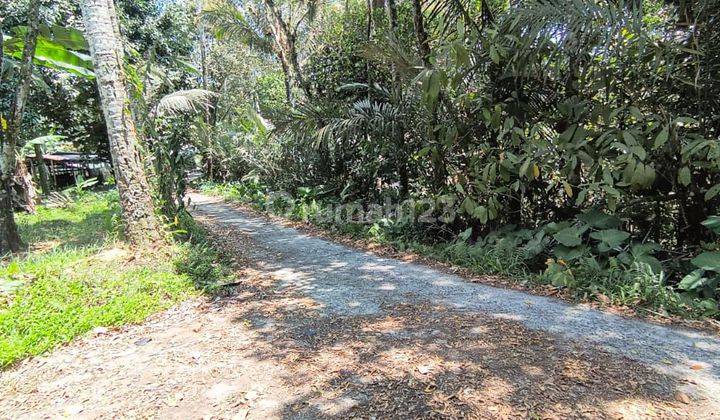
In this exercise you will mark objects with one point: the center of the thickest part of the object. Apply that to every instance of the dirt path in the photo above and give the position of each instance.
(318, 330)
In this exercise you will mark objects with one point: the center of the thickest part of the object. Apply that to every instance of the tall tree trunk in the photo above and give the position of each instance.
(288, 78)
(43, 173)
(420, 33)
(399, 127)
(24, 182)
(439, 168)
(286, 39)
(9, 237)
(368, 39)
(103, 35)
(203, 54)
(207, 155)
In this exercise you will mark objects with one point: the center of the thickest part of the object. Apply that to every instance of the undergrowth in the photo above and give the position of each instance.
(78, 275)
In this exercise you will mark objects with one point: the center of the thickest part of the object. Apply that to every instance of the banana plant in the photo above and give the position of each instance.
(58, 48)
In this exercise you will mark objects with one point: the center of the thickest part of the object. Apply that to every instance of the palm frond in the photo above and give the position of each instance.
(230, 21)
(184, 102)
(389, 51)
(447, 13)
(571, 25)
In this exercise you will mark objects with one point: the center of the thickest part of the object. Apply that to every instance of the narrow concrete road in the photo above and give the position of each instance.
(349, 282)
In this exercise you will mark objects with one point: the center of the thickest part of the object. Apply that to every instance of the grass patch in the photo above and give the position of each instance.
(79, 275)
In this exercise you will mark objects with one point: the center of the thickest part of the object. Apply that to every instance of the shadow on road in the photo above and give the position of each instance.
(422, 359)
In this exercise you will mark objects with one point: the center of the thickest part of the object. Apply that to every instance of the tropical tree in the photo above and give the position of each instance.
(267, 26)
(9, 129)
(103, 35)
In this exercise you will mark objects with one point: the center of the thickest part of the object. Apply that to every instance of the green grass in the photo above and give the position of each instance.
(90, 221)
(79, 275)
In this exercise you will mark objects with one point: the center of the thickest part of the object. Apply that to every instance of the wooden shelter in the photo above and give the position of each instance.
(66, 168)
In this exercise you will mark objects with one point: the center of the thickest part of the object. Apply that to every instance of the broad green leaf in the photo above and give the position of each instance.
(645, 248)
(712, 192)
(643, 175)
(523, 172)
(469, 205)
(612, 238)
(709, 261)
(598, 219)
(629, 138)
(653, 262)
(639, 152)
(712, 223)
(465, 235)
(535, 246)
(661, 138)
(570, 236)
(581, 197)
(53, 55)
(481, 213)
(693, 281)
(555, 227)
(558, 274)
(684, 176)
(70, 38)
(642, 253)
(569, 253)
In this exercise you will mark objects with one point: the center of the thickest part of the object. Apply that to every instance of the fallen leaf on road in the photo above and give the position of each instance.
(683, 398)
(424, 369)
(143, 341)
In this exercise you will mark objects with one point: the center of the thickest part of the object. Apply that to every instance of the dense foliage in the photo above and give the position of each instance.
(584, 133)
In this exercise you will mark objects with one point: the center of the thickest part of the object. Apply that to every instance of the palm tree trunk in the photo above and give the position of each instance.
(9, 237)
(103, 35)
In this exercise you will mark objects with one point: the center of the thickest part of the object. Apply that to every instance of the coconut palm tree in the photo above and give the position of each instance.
(103, 35)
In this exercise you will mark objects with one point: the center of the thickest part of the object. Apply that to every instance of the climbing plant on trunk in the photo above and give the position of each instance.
(103, 35)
